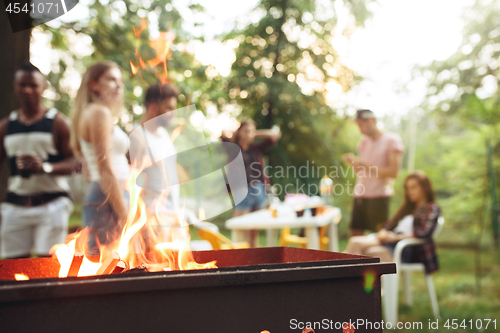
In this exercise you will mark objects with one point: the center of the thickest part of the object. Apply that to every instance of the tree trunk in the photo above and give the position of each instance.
(15, 50)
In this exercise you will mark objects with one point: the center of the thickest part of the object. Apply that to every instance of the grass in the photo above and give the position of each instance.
(459, 294)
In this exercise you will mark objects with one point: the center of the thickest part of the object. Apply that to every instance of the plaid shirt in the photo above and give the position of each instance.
(424, 223)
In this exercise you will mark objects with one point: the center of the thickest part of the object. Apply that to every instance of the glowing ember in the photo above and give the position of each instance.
(348, 328)
(21, 277)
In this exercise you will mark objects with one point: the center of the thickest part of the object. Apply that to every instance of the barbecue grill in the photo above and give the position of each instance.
(251, 290)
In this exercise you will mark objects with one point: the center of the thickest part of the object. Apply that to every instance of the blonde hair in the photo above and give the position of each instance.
(85, 97)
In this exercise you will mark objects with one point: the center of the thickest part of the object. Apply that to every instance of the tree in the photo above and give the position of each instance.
(110, 34)
(465, 86)
(464, 97)
(472, 72)
(287, 73)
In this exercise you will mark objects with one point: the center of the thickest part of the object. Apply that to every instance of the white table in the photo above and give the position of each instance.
(263, 220)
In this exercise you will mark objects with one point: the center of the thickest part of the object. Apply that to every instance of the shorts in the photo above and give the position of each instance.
(100, 218)
(369, 213)
(38, 228)
(255, 199)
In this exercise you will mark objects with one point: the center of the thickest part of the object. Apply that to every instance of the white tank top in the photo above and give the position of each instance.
(161, 147)
(119, 163)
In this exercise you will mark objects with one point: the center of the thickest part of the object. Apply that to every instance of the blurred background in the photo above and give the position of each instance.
(430, 70)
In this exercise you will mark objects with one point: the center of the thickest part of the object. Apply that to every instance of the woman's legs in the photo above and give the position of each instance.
(381, 252)
(100, 219)
(361, 244)
(256, 199)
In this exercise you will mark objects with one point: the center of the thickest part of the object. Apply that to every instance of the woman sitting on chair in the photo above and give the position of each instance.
(417, 217)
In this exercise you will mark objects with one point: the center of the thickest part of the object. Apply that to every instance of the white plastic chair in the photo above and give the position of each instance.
(390, 283)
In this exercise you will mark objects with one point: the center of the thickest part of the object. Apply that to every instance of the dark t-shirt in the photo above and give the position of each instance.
(252, 158)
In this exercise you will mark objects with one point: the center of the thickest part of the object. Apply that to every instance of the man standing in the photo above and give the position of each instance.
(36, 142)
(378, 163)
(151, 143)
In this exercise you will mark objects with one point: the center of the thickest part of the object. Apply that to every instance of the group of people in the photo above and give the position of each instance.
(42, 147)
(378, 162)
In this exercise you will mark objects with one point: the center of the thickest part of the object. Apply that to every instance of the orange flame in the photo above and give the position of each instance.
(144, 25)
(134, 68)
(176, 132)
(21, 277)
(143, 241)
(161, 45)
(201, 214)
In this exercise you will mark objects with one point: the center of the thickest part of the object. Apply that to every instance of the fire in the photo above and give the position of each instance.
(134, 69)
(176, 132)
(153, 242)
(348, 328)
(139, 244)
(201, 214)
(161, 45)
(144, 25)
(21, 277)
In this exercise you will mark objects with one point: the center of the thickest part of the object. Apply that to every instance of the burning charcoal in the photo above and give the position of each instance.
(348, 328)
(138, 269)
(75, 264)
(120, 267)
(109, 264)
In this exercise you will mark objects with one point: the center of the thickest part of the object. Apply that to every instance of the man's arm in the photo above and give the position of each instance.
(268, 134)
(348, 158)
(69, 164)
(389, 236)
(3, 130)
(390, 171)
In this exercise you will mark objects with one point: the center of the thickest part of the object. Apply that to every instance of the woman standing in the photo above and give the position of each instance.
(103, 145)
(245, 137)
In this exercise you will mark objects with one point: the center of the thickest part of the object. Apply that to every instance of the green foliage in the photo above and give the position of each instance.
(111, 30)
(463, 75)
(465, 106)
(284, 64)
